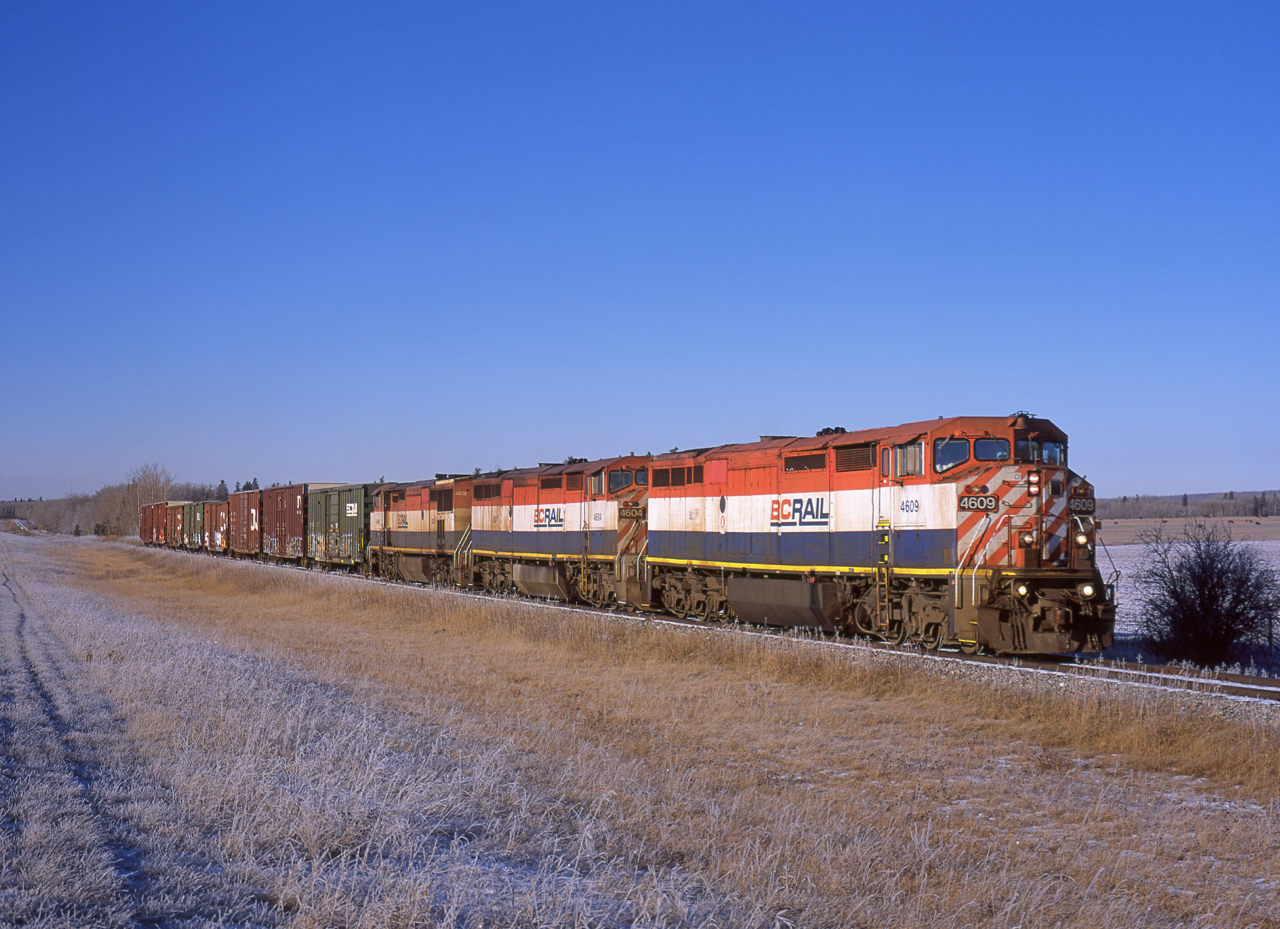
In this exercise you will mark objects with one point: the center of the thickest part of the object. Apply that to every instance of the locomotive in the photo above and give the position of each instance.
(965, 532)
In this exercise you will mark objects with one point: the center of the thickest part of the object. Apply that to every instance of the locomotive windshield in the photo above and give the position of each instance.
(991, 449)
(1031, 451)
(952, 451)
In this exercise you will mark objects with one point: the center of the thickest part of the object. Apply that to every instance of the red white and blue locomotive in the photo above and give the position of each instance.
(967, 532)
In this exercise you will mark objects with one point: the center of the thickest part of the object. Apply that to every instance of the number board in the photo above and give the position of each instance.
(981, 503)
(630, 512)
(1081, 504)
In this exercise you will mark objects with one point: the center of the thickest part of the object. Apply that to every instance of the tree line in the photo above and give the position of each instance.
(1242, 505)
(114, 510)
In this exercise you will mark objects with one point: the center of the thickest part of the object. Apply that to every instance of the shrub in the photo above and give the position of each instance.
(1204, 597)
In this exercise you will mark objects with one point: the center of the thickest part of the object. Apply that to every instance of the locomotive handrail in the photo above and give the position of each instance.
(464, 544)
(955, 579)
(974, 593)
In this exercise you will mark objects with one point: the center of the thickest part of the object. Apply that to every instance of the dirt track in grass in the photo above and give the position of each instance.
(89, 836)
(330, 752)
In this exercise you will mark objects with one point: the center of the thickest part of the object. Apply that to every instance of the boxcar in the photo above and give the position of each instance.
(216, 519)
(174, 512)
(338, 523)
(193, 526)
(284, 521)
(245, 523)
(154, 523)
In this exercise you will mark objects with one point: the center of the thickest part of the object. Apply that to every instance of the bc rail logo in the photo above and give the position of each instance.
(799, 511)
(548, 517)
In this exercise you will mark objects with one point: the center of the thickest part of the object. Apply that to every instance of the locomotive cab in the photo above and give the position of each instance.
(1042, 592)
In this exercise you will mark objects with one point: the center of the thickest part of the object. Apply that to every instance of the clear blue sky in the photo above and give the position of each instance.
(341, 241)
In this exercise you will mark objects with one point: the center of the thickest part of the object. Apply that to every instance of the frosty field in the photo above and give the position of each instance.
(192, 742)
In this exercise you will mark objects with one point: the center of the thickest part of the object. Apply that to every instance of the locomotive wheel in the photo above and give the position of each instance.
(970, 648)
(675, 602)
(864, 615)
(932, 637)
(896, 633)
(594, 591)
(713, 609)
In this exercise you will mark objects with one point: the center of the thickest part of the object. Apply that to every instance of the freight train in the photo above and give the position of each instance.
(969, 532)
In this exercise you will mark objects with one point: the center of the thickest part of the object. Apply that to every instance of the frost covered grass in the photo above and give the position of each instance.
(368, 754)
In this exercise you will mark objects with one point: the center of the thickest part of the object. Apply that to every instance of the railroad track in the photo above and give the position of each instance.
(1199, 681)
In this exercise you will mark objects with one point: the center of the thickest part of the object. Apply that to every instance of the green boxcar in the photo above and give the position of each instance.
(338, 523)
(193, 525)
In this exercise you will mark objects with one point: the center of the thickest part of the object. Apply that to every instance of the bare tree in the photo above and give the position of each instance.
(152, 483)
(1204, 597)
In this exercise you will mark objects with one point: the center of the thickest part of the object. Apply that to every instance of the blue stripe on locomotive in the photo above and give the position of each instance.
(414, 541)
(912, 548)
(601, 542)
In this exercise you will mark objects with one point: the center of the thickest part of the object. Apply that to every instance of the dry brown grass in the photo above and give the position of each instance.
(795, 785)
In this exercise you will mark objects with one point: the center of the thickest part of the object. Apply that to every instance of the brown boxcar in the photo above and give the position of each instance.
(284, 521)
(216, 535)
(245, 523)
(154, 523)
(174, 512)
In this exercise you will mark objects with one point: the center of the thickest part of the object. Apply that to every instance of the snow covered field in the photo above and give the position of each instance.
(1129, 559)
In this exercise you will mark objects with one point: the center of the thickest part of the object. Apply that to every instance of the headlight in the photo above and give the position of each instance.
(1027, 539)
(1022, 590)
(1082, 539)
(1087, 591)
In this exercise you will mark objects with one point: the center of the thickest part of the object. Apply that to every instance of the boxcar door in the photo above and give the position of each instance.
(332, 526)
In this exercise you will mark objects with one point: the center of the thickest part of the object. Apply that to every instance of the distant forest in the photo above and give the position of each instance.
(1231, 503)
(113, 510)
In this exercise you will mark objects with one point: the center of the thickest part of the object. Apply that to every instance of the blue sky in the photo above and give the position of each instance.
(324, 241)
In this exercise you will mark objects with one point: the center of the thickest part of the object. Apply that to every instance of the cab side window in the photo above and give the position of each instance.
(908, 459)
